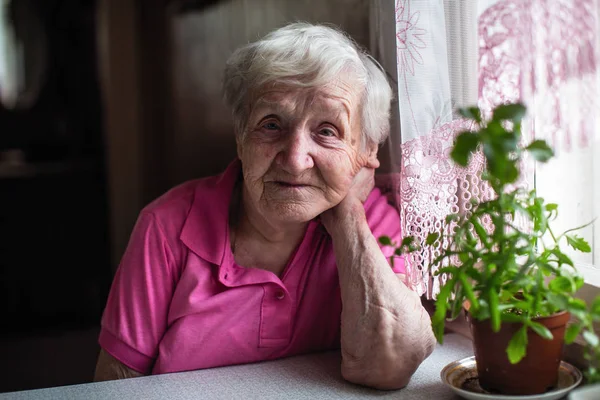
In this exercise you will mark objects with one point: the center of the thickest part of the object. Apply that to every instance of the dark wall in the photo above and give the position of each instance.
(54, 270)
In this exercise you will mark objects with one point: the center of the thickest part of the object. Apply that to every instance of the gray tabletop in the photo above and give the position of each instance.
(315, 376)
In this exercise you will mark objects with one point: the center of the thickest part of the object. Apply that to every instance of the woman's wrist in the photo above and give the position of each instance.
(348, 215)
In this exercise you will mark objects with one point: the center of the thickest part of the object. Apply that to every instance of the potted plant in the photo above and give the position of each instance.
(505, 263)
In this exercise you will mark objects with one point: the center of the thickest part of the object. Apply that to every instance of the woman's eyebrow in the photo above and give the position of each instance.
(337, 115)
(271, 106)
(337, 105)
(332, 109)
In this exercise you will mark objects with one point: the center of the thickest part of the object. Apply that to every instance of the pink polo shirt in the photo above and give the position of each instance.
(179, 301)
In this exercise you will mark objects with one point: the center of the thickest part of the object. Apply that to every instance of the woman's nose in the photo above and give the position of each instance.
(295, 157)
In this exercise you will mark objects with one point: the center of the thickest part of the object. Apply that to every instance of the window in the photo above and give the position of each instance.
(572, 180)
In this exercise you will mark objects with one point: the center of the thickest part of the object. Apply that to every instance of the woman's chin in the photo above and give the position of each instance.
(291, 213)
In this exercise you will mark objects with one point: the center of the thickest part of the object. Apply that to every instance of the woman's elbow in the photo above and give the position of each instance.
(109, 368)
(378, 378)
(393, 371)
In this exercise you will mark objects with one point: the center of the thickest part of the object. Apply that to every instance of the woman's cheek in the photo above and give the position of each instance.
(263, 150)
(339, 174)
(258, 156)
(267, 152)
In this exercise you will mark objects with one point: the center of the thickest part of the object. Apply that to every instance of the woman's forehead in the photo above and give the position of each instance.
(340, 99)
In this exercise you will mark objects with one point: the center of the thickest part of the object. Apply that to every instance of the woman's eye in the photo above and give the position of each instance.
(270, 126)
(327, 132)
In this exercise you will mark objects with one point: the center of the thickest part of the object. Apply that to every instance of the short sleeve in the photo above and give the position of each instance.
(135, 317)
(383, 219)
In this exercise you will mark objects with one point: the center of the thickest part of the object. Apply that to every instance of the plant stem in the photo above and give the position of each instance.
(575, 229)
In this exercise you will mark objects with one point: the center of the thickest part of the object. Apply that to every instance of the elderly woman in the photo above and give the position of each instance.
(278, 255)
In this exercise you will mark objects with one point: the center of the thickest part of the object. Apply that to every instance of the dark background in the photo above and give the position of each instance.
(54, 251)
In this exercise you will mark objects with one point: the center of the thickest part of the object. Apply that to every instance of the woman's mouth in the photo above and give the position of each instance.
(290, 184)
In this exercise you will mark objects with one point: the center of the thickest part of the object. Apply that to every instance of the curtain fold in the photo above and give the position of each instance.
(544, 53)
(436, 66)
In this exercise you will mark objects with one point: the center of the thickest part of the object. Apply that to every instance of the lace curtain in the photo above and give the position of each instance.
(448, 54)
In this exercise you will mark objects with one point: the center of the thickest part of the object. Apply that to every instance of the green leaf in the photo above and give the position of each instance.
(457, 303)
(452, 218)
(591, 338)
(432, 238)
(463, 257)
(499, 164)
(480, 230)
(484, 312)
(469, 294)
(578, 282)
(592, 375)
(513, 318)
(441, 305)
(523, 305)
(493, 132)
(407, 245)
(578, 308)
(385, 240)
(577, 304)
(571, 333)
(578, 243)
(540, 150)
(473, 273)
(558, 300)
(508, 141)
(494, 311)
(513, 112)
(536, 210)
(562, 257)
(595, 308)
(470, 113)
(511, 173)
(447, 270)
(517, 346)
(407, 241)
(541, 330)
(466, 143)
(547, 269)
(561, 284)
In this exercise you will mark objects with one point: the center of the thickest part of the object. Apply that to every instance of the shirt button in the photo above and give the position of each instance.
(279, 295)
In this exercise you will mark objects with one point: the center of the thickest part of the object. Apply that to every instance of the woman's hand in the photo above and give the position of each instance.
(362, 185)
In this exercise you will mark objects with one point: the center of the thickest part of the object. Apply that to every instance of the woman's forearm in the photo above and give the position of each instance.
(386, 332)
(109, 368)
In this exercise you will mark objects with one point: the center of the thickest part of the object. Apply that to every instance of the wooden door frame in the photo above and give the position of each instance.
(133, 55)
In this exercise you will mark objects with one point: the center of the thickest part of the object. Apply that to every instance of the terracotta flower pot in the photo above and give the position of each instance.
(536, 373)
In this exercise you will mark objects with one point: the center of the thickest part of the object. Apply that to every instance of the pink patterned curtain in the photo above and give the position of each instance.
(457, 53)
(544, 53)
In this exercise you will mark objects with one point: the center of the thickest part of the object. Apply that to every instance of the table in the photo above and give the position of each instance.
(314, 376)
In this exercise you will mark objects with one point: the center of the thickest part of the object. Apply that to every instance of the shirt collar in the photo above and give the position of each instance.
(206, 228)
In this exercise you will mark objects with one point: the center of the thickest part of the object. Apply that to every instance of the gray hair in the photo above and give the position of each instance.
(303, 55)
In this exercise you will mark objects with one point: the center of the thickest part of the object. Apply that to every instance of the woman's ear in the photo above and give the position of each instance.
(238, 145)
(372, 160)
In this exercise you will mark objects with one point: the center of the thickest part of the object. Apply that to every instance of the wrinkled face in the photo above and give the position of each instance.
(301, 150)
